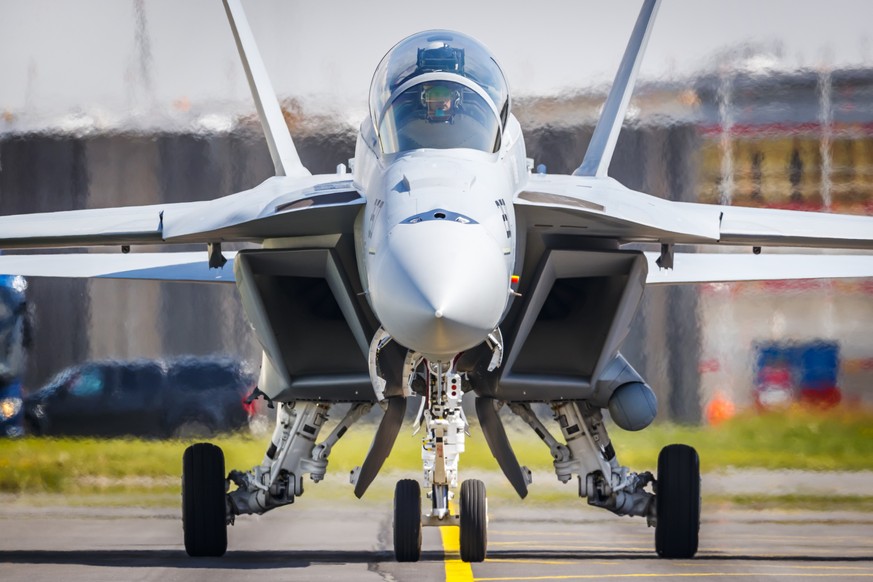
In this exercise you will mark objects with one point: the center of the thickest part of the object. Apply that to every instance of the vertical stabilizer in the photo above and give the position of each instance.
(282, 150)
(602, 146)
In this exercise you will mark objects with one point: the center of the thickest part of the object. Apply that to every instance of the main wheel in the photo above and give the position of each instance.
(407, 521)
(474, 521)
(678, 502)
(204, 510)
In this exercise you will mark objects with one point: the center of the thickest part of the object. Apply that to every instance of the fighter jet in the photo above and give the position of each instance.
(440, 266)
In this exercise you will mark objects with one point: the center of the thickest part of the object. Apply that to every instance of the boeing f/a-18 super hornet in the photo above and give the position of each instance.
(442, 266)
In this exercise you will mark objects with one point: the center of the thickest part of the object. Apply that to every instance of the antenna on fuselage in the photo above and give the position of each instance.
(600, 150)
(282, 150)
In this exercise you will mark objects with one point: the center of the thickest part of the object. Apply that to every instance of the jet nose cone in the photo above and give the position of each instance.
(439, 288)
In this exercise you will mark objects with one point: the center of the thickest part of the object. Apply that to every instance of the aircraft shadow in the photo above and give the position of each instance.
(233, 560)
(267, 560)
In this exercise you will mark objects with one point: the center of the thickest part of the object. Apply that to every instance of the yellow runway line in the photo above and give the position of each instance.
(457, 570)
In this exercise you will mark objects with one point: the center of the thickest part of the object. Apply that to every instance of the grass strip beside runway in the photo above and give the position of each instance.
(837, 440)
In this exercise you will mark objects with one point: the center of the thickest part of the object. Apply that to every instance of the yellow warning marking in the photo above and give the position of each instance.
(457, 570)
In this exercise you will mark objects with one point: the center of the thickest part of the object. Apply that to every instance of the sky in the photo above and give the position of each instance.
(59, 56)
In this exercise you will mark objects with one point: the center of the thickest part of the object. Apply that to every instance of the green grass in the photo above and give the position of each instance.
(799, 439)
(837, 440)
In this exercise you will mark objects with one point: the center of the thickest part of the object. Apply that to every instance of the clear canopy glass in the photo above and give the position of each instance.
(439, 89)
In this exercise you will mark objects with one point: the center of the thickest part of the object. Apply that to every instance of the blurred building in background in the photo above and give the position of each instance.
(743, 136)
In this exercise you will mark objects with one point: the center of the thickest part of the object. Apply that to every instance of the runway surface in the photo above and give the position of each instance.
(352, 541)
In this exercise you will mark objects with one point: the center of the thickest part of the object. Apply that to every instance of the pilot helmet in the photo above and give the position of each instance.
(440, 101)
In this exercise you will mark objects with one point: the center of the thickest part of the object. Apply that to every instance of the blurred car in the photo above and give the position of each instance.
(186, 397)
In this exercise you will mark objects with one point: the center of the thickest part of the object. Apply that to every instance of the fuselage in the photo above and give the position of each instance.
(436, 243)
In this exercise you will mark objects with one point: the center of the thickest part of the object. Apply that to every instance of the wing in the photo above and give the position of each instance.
(187, 267)
(279, 207)
(292, 295)
(592, 204)
(725, 267)
(293, 203)
(602, 207)
(111, 226)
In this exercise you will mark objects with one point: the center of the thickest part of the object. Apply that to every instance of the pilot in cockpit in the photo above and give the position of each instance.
(441, 103)
(439, 89)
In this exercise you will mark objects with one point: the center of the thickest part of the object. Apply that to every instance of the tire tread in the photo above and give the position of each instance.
(474, 521)
(678, 502)
(407, 521)
(203, 504)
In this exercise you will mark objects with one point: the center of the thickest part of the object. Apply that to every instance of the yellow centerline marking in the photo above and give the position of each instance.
(457, 570)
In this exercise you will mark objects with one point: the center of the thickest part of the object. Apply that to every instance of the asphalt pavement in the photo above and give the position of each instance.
(351, 540)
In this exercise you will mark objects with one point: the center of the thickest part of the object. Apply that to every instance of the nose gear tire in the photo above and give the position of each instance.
(407, 521)
(474, 521)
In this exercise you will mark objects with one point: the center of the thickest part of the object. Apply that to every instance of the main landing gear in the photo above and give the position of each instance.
(673, 509)
(445, 426)
(208, 508)
(671, 504)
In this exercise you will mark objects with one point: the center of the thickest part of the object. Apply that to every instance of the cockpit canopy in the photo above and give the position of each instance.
(439, 89)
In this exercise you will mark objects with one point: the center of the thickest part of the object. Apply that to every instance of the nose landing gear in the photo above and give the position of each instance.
(442, 445)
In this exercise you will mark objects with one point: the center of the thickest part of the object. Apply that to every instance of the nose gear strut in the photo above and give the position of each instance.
(442, 417)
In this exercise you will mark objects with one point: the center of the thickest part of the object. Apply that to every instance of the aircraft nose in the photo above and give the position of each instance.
(439, 288)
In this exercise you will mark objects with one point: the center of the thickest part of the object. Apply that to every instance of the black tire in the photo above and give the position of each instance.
(678, 502)
(407, 521)
(474, 521)
(203, 501)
